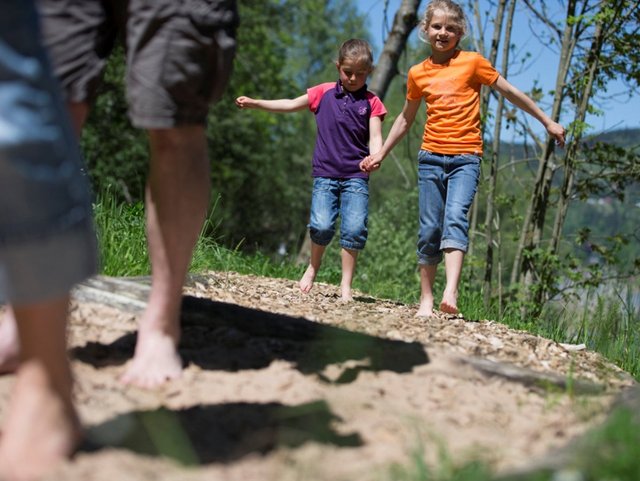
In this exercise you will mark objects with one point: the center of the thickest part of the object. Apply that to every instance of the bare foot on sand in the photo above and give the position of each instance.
(9, 344)
(345, 293)
(41, 428)
(449, 303)
(426, 307)
(155, 361)
(309, 276)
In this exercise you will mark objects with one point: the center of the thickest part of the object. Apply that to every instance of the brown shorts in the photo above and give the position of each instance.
(179, 53)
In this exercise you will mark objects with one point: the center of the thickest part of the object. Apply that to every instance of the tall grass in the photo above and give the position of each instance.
(123, 245)
(121, 236)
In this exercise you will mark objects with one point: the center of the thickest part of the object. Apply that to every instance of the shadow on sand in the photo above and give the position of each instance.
(222, 336)
(218, 433)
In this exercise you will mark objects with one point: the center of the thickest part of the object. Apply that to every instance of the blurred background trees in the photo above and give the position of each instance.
(547, 222)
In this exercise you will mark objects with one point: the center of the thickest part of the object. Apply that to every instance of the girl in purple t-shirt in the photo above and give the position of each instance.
(349, 127)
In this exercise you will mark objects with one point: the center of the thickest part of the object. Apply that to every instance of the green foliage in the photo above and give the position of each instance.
(608, 322)
(613, 451)
(121, 236)
(115, 152)
(387, 266)
(418, 470)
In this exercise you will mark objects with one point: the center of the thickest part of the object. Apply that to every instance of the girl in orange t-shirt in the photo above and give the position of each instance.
(449, 81)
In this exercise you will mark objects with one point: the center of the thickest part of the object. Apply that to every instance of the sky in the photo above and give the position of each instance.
(620, 111)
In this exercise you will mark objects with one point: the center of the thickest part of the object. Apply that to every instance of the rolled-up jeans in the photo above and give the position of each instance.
(47, 241)
(347, 197)
(446, 187)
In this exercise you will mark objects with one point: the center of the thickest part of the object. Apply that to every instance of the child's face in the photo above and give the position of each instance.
(443, 35)
(353, 74)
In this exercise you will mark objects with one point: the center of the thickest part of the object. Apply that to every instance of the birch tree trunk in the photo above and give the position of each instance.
(485, 96)
(532, 228)
(593, 62)
(493, 164)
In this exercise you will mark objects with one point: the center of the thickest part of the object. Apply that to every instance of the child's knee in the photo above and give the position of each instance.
(321, 234)
(354, 238)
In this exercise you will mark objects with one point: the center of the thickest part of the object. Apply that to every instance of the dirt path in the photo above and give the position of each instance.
(283, 386)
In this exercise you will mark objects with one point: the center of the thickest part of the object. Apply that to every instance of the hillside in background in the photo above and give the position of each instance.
(627, 138)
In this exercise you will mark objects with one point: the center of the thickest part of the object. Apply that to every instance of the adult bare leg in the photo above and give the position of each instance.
(309, 276)
(9, 343)
(427, 278)
(349, 258)
(78, 111)
(453, 259)
(177, 199)
(41, 428)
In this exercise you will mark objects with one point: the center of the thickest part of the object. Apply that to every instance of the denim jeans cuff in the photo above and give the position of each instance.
(351, 246)
(454, 244)
(429, 260)
(321, 242)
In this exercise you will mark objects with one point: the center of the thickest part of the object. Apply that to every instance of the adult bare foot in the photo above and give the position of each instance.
(449, 303)
(155, 361)
(309, 276)
(41, 428)
(9, 344)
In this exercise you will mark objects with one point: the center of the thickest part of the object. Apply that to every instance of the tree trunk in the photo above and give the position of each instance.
(404, 21)
(532, 228)
(493, 165)
(486, 91)
(593, 63)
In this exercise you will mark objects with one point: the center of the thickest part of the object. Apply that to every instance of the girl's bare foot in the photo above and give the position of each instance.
(41, 428)
(309, 276)
(449, 303)
(345, 294)
(155, 361)
(426, 308)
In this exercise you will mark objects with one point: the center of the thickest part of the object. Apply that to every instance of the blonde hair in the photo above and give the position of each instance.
(451, 9)
(357, 50)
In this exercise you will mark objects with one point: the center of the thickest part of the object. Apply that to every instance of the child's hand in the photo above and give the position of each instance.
(370, 163)
(557, 132)
(244, 102)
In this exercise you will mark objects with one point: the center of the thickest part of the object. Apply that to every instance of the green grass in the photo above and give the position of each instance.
(121, 237)
(123, 246)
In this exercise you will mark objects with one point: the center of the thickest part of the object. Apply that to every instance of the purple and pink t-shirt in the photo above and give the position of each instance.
(342, 120)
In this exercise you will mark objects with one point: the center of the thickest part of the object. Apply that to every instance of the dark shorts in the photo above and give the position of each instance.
(179, 53)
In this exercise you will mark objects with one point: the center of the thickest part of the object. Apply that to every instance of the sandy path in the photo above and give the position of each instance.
(283, 386)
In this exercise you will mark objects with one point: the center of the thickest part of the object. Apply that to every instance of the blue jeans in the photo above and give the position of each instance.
(347, 197)
(47, 242)
(446, 186)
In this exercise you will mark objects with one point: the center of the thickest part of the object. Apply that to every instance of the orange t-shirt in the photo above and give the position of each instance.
(452, 94)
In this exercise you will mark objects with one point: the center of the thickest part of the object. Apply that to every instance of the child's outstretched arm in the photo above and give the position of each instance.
(522, 101)
(398, 130)
(277, 105)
